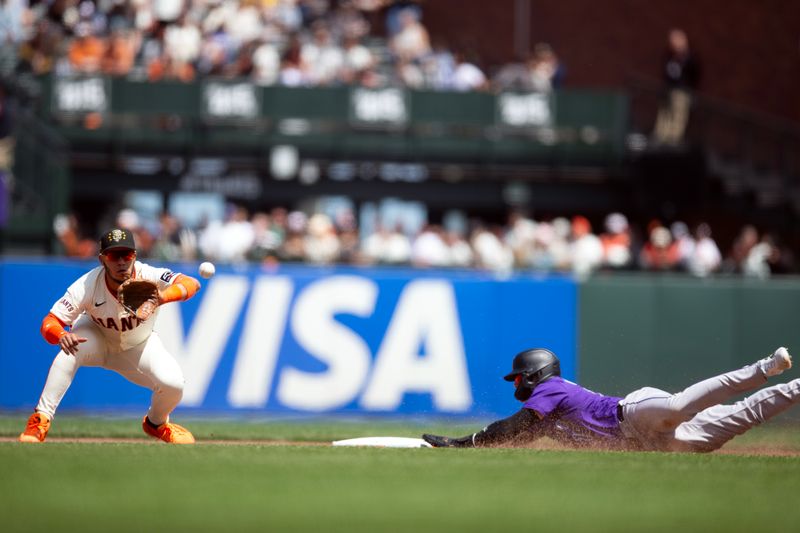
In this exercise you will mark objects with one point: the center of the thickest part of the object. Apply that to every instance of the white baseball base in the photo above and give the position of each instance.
(384, 442)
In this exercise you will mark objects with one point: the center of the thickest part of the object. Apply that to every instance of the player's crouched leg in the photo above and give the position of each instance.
(166, 396)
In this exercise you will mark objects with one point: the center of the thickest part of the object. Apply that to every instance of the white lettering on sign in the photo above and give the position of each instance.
(345, 353)
(531, 109)
(231, 100)
(379, 105)
(422, 350)
(199, 355)
(260, 343)
(81, 95)
(427, 316)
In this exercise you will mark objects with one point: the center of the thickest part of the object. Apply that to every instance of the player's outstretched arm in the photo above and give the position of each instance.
(183, 288)
(499, 432)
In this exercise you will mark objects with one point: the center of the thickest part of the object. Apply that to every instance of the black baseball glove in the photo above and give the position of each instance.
(438, 441)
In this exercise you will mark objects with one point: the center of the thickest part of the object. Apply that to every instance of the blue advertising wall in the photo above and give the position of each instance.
(310, 340)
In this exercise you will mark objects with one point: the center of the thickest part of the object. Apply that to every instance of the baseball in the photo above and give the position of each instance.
(206, 269)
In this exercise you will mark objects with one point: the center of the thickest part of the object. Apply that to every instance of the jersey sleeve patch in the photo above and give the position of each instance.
(67, 305)
(167, 276)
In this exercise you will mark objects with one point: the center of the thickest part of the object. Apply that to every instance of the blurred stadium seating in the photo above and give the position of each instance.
(380, 113)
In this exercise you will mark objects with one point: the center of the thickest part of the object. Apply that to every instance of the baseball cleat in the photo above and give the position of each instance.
(37, 428)
(169, 432)
(776, 363)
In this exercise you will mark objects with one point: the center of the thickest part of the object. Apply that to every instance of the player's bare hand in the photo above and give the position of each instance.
(69, 343)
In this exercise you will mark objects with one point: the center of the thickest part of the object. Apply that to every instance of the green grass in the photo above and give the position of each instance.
(148, 486)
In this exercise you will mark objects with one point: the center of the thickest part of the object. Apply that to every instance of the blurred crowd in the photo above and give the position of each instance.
(561, 244)
(286, 42)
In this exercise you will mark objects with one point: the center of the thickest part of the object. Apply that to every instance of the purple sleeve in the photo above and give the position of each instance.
(546, 398)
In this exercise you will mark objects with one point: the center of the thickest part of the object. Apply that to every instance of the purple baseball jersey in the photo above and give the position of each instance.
(575, 414)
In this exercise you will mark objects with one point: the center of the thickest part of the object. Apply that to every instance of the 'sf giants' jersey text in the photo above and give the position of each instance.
(90, 295)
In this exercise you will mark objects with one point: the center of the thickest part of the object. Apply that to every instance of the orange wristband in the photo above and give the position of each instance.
(183, 288)
(52, 329)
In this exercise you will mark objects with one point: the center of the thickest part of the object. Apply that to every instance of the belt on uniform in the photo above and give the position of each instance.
(619, 412)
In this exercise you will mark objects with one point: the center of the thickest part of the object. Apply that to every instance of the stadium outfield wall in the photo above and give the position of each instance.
(304, 340)
(310, 340)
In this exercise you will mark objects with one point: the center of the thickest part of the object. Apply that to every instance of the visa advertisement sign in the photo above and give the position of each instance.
(307, 340)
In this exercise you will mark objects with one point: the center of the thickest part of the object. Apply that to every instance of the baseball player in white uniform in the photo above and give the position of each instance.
(92, 328)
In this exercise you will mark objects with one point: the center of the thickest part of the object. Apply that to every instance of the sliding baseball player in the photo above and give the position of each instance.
(693, 420)
(106, 319)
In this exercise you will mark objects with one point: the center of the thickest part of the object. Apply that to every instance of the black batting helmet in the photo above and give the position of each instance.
(534, 365)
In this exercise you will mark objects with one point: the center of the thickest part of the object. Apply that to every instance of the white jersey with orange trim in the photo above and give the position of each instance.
(90, 295)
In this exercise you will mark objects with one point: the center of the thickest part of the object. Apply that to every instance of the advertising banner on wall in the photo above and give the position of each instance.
(301, 340)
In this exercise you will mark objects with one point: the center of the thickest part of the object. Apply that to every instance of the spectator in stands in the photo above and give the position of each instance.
(616, 241)
(264, 243)
(322, 57)
(283, 17)
(411, 42)
(660, 252)
(681, 74)
(167, 12)
(542, 256)
(87, 50)
(490, 251)
(7, 144)
(121, 52)
(129, 219)
(684, 242)
(349, 238)
(357, 60)
(174, 243)
(544, 70)
(706, 258)
(459, 251)
(394, 14)
(166, 68)
(293, 71)
(183, 40)
(293, 248)
(586, 248)
(439, 67)
(519, 237)
(40, 52)
(245, 24)
(756, 264)
(321, 245)
(266, 63)
(313, 10)
(347, 21)
(228, 241)
(409, 74)
(72, 238)
(467, 76)
(429, 248)
(387, 246)
(744, 242)
(14, 24)
(559, 248)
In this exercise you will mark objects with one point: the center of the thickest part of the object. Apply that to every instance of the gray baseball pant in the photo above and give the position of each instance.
(695, 420)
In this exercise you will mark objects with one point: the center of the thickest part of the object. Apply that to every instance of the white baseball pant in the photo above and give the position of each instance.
(148, 364)
(694, 419)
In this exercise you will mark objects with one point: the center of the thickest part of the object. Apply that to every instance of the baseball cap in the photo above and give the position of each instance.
(117, 238)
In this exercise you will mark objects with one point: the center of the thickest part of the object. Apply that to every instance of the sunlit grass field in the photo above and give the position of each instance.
(150, 486)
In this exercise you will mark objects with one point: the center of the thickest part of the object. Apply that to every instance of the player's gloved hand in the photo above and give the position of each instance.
(139, 297)
(438, 441)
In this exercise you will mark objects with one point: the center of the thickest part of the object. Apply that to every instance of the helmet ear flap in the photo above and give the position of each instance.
(529, 379)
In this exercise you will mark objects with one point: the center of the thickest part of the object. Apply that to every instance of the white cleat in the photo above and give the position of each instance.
(776, 363)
